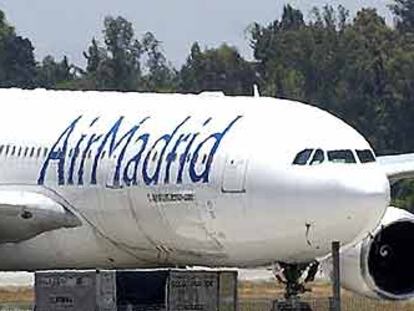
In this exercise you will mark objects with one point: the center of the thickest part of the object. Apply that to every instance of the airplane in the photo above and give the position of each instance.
(131, 180)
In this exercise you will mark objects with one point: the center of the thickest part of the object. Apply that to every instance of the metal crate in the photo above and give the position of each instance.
(136, 290)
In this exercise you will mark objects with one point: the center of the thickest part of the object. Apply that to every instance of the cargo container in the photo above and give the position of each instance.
(136, 290)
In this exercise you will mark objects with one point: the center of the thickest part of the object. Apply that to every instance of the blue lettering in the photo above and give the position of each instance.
(148, 179)
(183, 159)
(162, 154)
(204, 175)
(113, 146)
(93, 139)
(173, 155)
(58, 154)
(133, 163)
(75, 155)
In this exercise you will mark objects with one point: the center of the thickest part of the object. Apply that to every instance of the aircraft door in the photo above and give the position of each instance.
(234, 176)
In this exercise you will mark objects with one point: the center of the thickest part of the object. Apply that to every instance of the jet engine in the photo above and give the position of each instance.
(382, 265)
(25, 214)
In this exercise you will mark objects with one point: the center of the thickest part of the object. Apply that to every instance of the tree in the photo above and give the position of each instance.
(365, 84)
(160, 77)
(116, 66)
(125, 63)
(94, 57)
(299, 61)
(52, 74)
(18, 65)
(400, 70)
(221, 69)
(5, 28)
(404, 13)
(292, 19)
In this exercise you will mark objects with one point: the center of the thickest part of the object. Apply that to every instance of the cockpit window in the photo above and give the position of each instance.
(365, 156)
(341, 156)
(303, 157)
(318, 157)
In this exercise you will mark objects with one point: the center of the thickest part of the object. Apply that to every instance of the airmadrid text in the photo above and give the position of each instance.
(136, 157)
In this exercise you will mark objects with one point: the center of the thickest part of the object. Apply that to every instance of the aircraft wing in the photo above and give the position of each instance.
(398, 167)
(24, 215)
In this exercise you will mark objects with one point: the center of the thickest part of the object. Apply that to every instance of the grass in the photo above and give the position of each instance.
(258, 296)
(253, 296)
(12, 294)
(16, 298)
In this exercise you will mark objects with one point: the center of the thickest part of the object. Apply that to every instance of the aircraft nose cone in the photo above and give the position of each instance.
(369, 194)
(369, 185)
(354, 201)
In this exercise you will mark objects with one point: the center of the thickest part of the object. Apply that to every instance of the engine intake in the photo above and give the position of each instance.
(391, 258)
(381, 266)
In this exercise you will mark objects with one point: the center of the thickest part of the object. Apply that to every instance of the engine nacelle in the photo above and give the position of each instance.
(382, 265)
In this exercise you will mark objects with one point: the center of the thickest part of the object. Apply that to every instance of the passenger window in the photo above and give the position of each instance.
(341, 156)
(303, 157)
(32, 152)
(20, 152)
(39, 152)
(13, 151)
(26, 151)
(7, 149)
(365, 156)
(318, 157)
(45, 152)
(1, 149)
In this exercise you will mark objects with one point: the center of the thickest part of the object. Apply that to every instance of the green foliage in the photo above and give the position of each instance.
(221, 69)
(5, 28)
(404, 13)
(52, 74)
(17, 63)
(125, 63)
(161, 77)
(116, 65)
(292, 19)
(403, 194)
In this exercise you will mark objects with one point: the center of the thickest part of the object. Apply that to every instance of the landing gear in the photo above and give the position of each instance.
(294, 277)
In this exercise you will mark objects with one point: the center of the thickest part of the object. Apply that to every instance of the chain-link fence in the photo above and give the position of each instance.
(317, 301)
(325, 304)
(317, 304)
(16, 307)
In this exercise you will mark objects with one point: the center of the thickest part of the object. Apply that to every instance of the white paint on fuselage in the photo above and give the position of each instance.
(286, 213)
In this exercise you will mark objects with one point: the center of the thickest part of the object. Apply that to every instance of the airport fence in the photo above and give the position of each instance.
(326, 304)
(16, 307)
(309, 304)
(317, 304)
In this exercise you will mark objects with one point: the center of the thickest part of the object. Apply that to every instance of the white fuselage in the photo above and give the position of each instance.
(179, 180)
